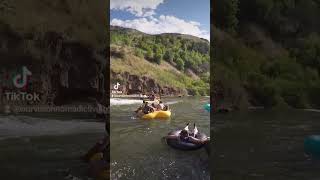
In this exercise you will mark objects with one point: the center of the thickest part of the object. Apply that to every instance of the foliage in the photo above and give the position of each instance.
(181, 52)
(289, 76)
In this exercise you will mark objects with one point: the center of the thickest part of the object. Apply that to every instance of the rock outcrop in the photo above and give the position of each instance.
(133, 84)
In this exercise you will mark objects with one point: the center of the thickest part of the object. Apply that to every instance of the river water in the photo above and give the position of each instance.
(253, 145)
(46, 146)
(264, 145)
(138, 150)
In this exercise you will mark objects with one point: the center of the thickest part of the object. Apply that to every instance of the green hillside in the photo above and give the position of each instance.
(175, 60)
(267, 53)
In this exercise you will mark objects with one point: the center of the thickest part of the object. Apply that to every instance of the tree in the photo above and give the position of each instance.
(158, 55)
(149, 55)
(139, 53)
(169, 56)
(158, 58)
(180, 64)
(225, 14)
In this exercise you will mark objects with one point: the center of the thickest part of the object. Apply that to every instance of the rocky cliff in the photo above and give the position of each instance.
(134, 84)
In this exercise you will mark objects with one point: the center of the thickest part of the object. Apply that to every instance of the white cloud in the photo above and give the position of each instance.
(163, 24)
(140, 8)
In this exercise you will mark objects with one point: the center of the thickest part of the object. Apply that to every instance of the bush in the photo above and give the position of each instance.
(139, 53)
(149, 54)
(180, 64)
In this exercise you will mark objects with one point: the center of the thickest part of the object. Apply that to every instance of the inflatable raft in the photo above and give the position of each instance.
(157, 115)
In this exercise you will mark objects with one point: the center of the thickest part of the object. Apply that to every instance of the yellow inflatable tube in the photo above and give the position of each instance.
(157, 114)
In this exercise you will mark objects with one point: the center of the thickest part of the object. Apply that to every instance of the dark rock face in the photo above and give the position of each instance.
(225, 99)
(62, 70)
(133, 84)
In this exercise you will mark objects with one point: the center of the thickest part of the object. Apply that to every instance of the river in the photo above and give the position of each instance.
(264, 145)
(138, 150)
(46, 146)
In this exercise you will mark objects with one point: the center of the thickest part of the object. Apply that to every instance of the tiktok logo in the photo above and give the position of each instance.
(21, 80)
(116, 86)
(115, 90)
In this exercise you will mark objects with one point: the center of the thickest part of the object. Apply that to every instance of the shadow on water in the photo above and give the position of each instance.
(264, 145)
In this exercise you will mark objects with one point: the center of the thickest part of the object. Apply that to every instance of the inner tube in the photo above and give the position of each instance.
(312, 145)
(207, 107)
(184, 145)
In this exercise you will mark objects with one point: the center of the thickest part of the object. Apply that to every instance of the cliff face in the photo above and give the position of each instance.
(63, 70)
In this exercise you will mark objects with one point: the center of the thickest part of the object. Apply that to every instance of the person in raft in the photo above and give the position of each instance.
(160, 106)
(153, 97)
(142, 106)
(148, 108)
(188, 137)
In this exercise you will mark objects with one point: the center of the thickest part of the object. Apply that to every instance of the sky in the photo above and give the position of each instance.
(163, 16)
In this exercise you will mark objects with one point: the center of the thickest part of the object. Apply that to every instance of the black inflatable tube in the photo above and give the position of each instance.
(174, 143)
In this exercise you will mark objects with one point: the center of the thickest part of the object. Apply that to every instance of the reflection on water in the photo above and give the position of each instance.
(139, 152)
(264, 145)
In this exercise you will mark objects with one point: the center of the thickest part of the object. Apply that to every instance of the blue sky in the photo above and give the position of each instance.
(163, 16)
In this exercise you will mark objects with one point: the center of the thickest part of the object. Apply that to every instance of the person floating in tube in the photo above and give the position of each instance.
(189, 137)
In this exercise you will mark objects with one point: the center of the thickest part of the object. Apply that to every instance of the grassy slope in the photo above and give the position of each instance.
(165, 74)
